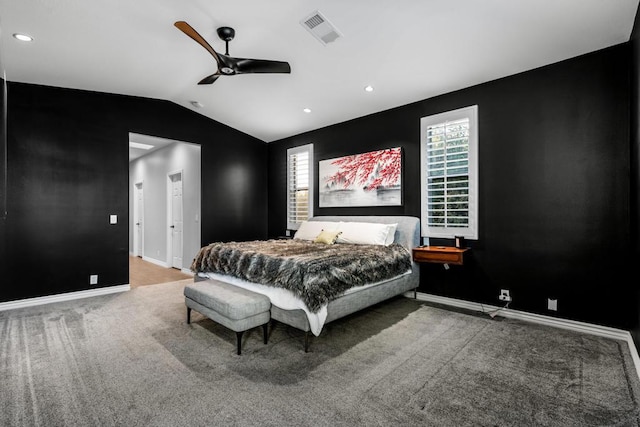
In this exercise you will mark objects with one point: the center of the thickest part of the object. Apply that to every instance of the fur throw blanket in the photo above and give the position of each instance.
(314, 272)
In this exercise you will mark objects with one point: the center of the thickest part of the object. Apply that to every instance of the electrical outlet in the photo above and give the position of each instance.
(552, 304)
(504, 295)
(93, 279)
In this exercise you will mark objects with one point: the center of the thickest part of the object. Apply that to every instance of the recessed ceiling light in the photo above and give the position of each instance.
(197, 104)
(23, 37)
(306, 110)
(140, 145)
(368, 88)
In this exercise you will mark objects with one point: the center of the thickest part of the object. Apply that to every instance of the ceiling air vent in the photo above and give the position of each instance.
(321, 28)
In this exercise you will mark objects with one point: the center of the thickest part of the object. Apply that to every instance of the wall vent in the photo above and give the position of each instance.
(320, 27)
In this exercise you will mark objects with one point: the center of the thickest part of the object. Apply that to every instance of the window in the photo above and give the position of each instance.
(449, 174)
(299, 185)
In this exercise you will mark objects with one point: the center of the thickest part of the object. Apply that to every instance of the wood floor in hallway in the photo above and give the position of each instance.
(143, 273)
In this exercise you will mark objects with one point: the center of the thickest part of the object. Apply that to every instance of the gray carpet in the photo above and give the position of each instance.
(130, 359)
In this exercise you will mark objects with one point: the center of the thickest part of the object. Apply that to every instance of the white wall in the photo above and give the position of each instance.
(153, 170)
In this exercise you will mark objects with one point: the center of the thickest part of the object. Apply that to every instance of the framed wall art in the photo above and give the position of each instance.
(367, 179)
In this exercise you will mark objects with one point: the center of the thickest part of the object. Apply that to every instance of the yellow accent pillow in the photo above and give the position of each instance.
(327, 237)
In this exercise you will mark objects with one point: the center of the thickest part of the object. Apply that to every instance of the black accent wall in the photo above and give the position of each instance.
(3, 170)
(68, 171)
(635, 163)
(554, 203)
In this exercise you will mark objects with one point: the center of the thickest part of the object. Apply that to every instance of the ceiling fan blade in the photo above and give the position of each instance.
(244, 66)
(188, 30)
(209, 79)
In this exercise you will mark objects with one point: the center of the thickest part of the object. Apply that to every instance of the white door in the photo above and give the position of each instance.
(176, 220)
(138, 221)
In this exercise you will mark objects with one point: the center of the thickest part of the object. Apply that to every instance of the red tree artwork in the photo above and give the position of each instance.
(370, 170)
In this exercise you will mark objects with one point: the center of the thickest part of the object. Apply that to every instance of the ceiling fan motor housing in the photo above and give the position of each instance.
(226, 33)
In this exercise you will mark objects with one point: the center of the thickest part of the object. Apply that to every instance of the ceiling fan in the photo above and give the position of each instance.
(228, 65)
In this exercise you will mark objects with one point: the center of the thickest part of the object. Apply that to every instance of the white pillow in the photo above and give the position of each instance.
(364, 233)
(391, 233)
(309, 230)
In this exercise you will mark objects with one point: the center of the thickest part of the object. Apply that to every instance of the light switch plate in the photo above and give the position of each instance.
(113, 219)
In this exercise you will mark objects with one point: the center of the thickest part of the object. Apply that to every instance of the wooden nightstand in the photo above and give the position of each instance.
(439, 254)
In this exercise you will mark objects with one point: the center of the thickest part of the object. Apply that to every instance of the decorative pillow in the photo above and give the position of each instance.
(364, 233)
(327, 237)
(391, 233)
(309, 230)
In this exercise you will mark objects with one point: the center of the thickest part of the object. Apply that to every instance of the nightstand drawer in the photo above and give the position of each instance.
(439, 254)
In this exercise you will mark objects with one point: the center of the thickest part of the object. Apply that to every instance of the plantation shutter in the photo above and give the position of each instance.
(448, 178)
(299, 181)
(448, 174)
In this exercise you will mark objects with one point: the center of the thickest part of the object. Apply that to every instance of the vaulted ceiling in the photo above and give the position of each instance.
(407, 50)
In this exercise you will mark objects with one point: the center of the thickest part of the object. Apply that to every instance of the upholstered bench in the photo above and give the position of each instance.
(233, 307)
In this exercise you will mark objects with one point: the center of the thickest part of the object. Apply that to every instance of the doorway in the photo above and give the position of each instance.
(164, 209)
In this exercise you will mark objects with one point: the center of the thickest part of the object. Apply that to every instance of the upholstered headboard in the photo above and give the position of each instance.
(407, 232)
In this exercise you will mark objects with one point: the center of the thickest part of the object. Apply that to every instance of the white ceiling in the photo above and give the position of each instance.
(408, 50)
(155, 143)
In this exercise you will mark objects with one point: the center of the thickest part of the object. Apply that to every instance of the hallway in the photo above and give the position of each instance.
(142, 273)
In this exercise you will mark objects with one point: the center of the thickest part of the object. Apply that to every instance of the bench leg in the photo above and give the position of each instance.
(188, 315)
(239, 339)
(265, 332)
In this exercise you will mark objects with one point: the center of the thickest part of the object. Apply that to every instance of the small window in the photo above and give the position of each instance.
(299, 185)
(449, 174)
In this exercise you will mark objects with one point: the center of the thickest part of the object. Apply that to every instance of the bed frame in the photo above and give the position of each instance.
(407, 234)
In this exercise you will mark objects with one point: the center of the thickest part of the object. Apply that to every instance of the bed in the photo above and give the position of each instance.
(295, 304)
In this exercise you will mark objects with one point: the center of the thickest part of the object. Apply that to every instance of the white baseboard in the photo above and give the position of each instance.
(588, 328)
(30, 302)
(156, 261)
(164, 264)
